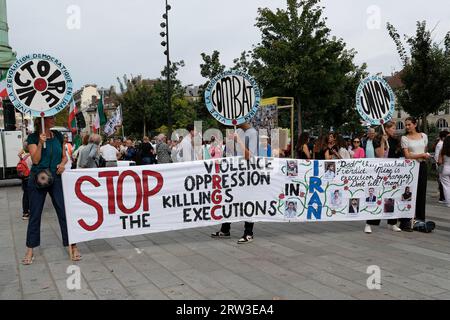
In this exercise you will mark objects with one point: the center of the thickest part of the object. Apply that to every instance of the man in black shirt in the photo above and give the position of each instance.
(147, 152)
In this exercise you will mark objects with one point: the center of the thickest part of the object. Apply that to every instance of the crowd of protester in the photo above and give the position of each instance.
(48, 154)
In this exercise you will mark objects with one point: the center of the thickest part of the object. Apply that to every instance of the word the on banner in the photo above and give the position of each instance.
(115, 202)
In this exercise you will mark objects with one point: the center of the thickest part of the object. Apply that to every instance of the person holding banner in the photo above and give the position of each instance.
(246, 140)
(386, 146)
(414, 145)
(49, 159)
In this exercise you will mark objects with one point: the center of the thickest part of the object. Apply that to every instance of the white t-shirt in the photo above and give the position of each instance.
(415, 146)
(344, 153)
(438, 150)
(187, 149)
(68, 164)
(108, 152)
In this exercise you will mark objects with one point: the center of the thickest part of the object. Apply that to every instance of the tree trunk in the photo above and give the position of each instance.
(145, 128)
(299, 117)
(424, 124)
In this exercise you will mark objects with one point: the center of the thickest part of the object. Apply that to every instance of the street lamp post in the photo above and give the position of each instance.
(165, 25)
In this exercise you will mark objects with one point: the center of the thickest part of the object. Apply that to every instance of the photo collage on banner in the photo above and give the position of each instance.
(350, 188)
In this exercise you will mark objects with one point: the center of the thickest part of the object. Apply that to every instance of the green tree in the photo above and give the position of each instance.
(425, 74)
(298, 57)
(210, 68)
(144, 103)
(62, 118)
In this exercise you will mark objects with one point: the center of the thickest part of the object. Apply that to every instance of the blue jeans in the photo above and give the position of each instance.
(37, 201)
(147, 160)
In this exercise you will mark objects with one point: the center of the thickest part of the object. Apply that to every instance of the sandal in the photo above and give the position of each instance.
(74, 256)
(27, 260)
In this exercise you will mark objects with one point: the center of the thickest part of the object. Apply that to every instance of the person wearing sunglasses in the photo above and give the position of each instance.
(358, 151)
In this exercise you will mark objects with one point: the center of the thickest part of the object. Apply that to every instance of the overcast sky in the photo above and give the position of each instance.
(119, 37)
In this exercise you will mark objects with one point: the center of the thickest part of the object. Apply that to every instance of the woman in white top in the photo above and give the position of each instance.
(444, 163)
(414, 145)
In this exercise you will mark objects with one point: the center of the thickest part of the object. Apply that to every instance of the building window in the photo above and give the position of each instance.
(400, 125)
(442, 124)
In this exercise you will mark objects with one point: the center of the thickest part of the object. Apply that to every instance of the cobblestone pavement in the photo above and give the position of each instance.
(286, 261)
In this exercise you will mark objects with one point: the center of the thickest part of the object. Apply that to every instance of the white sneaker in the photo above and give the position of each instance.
(442, 202)
(368, 229)
(394, 228)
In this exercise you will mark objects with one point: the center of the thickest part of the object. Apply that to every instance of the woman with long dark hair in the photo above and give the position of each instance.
(302, 147)
(46, 150)
(414, 145)
(319, 148)
(332, 149)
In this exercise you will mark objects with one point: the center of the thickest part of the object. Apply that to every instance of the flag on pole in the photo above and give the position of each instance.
(101, 112)
(96, 124)
(73, 116)
(76, 142)
(116, 121)
(3, 92)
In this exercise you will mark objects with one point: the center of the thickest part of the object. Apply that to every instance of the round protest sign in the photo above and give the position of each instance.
(375, 101)
(39, 85)
(233, 98)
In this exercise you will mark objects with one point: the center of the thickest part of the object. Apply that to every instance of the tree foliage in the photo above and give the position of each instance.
(298, 57)
(144, 103)
(425, 74)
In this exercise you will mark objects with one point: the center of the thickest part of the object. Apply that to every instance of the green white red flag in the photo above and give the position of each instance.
(72, 116)
(3, 92)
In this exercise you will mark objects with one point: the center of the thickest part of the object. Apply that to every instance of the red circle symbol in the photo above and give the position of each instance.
(234, 122)
(40, 84)
(42, 114)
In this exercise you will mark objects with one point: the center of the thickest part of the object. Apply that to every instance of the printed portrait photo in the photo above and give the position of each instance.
(292, 168)
(336, 198)
(407, 195)
(389, 205)
(371, 197)
(291, 209)
(330, 171)
(353, 206)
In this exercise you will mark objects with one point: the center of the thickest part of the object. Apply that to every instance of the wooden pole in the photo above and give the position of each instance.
(43, 130)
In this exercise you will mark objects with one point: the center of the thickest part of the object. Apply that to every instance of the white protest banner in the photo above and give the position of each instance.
(115, 202)
(112, 124)
(375, 101)
(39, 85)
(233, 98)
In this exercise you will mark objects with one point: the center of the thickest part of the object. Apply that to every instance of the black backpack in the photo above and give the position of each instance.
(425, 227)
